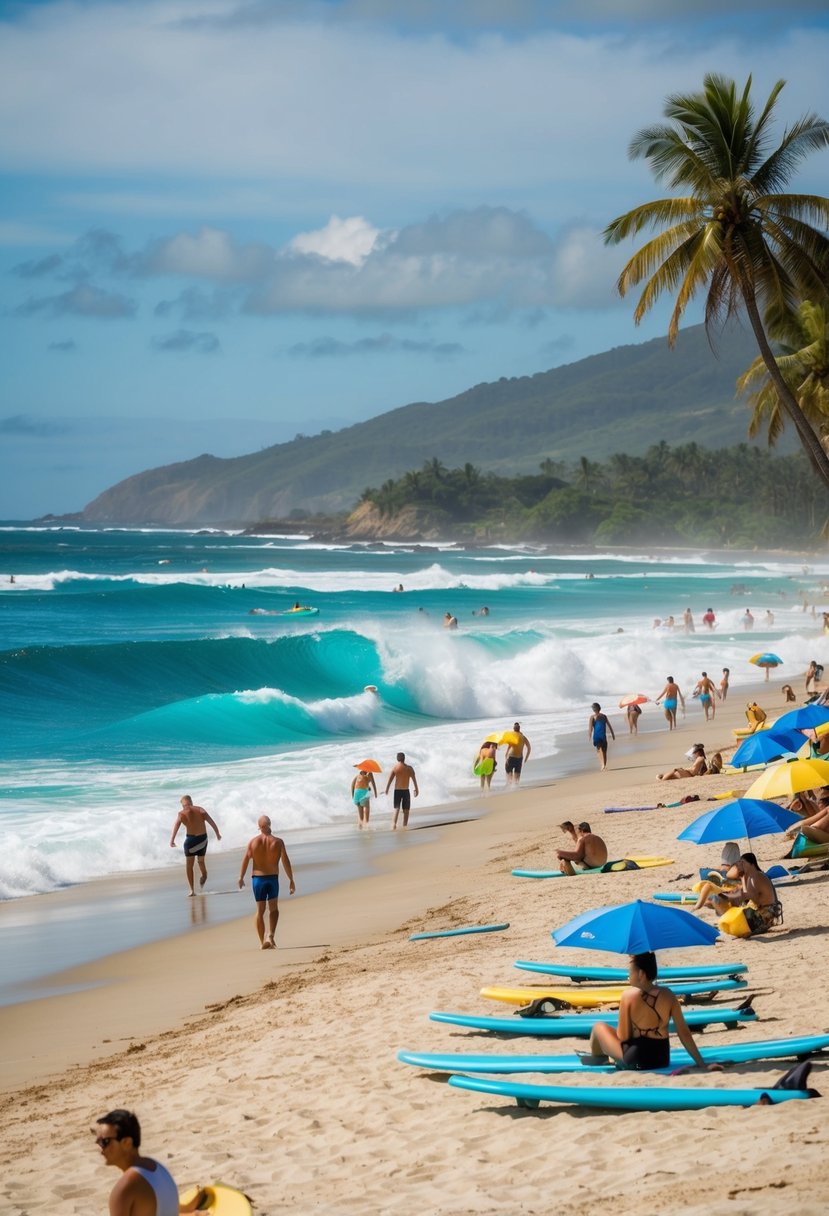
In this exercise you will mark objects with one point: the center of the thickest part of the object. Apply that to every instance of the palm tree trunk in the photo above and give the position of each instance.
(808, 437)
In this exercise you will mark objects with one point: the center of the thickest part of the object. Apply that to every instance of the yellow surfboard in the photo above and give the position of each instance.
(577, 998)
(218, 1199)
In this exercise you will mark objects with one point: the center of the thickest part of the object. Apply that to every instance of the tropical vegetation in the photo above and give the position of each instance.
(802, 354)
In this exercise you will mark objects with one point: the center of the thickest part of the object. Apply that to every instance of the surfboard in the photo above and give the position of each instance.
(616, 975)
(737, 1053)
(587, 998)
(675, 897)
(627, 1097)
(610, 867)
(301, 612)
(420, 937)
(219, 1199)
(579, 1025)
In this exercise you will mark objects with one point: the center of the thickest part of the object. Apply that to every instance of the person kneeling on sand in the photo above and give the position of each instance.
(699, 766)
(756, 896)
(266, 851)
(645, 1012)
(590, 851)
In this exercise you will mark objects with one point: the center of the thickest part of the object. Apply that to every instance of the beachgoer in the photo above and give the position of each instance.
(705, 690)
(726, 673)
(265, 852)
(402, 774)
(788, 693)
(669, 622)
(590, 851)
(597, 729)
(672, 696)
(361, 789)
(688, 621)
(485, 763)
(811, 678)
(708, 619)
(633, 713)
(756, 896)
(645, 1013)
(769, 617)
(517, 753)
(699, 766)
(146, 1187)
(194, 820)
(725, 873)
(657, 622)
(748, 619)
(814, 827)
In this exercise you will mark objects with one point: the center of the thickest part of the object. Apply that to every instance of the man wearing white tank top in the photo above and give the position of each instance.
(145, 1187)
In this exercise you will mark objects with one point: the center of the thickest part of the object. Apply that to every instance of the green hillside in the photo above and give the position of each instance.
(623, 400)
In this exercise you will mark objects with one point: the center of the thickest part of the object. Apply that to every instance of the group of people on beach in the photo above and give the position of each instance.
(517, 753)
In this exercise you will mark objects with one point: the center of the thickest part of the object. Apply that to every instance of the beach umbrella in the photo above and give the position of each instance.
(766, 660)
(783, 780)
(768, 745)
(808, 717)
(742, 817)
(633, 698)
(368, 766)
(634, 928)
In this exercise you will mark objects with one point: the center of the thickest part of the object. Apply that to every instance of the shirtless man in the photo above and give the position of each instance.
(402, 774)
(145, 1187)
(193, 819)
(706, 690)
(756, 895)
(590, 851)
(517, 753)
(672, 696)
(815, 827)
(266, 851)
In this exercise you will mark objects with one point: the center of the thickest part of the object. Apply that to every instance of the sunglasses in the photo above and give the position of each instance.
(105, 1141)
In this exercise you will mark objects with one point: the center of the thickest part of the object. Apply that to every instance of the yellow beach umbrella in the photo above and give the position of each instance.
(783, 780)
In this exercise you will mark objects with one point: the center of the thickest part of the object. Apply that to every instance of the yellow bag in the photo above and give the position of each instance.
(734, 923)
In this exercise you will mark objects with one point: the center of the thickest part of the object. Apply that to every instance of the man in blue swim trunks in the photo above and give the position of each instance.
(266, 851)
(705, 690)
(672, 695)
(194, 820)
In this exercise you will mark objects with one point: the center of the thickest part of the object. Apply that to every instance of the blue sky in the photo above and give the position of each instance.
(229, 221)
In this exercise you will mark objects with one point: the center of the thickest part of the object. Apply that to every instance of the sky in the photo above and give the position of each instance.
(227, 222)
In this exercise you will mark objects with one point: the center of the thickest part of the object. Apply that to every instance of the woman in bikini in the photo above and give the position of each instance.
(699, 767)
(644, 1014)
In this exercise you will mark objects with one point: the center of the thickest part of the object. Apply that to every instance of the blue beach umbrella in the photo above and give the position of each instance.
(768, 745)
(634, 928)
(742, 817)
(805, 718)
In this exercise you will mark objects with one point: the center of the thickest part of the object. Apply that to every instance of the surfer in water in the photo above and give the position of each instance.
(265, 852)
(645, 1012)
(194, 820)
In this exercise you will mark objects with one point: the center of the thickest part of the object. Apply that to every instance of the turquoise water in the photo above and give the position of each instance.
(139, 665)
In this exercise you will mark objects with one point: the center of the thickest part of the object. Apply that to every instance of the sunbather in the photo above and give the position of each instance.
(699, 766)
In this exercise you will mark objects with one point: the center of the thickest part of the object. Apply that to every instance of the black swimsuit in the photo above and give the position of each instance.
(647, 1048)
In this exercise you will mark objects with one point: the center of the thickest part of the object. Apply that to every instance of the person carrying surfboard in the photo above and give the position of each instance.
(146, 1187)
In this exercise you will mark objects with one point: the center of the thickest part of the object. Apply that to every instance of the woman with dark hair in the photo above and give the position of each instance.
(645, 1012)
(699, 766)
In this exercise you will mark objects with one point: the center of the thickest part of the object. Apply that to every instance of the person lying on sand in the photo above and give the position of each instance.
(699, 766)
(645, 1012)
(590, 851)
(814, 827)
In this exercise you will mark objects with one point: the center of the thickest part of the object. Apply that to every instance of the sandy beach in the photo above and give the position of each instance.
(276, 1072)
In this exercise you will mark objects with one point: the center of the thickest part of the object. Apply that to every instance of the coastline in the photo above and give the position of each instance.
(177, 1029)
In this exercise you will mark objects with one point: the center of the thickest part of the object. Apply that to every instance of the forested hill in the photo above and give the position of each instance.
(621, 401)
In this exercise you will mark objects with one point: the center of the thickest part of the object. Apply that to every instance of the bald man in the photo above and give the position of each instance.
(265, 852)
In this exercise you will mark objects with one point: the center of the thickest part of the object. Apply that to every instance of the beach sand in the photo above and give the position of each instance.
(276, 1072)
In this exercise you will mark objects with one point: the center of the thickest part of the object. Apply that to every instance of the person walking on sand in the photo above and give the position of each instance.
(518, 751)
(633, 713)
(597, 729)
(194, 820)
(672, 697)
(265, 852)
(590, 851)
(485, 763)
(361, 790)
(146, 1187)
(402, 774)
(706, 690)
(726, 675)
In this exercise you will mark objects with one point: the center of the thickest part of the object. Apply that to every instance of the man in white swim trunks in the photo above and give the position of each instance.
(145, 1187)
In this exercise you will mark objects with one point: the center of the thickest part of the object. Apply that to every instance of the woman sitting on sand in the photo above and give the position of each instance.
(727, 876)
(699, 766)
(644, 1014)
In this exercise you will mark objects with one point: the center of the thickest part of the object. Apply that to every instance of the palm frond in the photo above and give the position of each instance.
(655, 254)
(809, 134)
(651, 215)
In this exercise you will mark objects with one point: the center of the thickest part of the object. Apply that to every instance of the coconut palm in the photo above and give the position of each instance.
(803, 359)
(734, 232)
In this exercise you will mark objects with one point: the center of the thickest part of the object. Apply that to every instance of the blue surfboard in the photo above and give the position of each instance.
(737, 1053)
(627, 1097)
(421, 937)
(616, 975)
(579, 1025)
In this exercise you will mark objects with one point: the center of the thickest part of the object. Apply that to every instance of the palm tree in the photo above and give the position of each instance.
(803, 360)
(733, 231)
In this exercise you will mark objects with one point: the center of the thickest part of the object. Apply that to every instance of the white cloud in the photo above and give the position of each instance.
(349, 240)
(210, 253)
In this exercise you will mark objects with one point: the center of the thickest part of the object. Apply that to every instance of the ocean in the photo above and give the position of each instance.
(136, 666)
